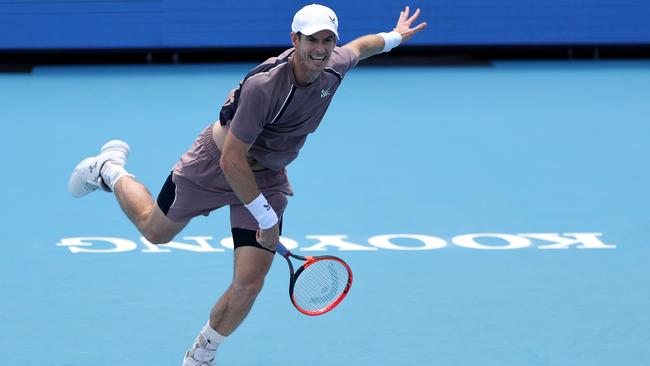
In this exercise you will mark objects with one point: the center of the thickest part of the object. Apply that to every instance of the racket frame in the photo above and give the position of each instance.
(308, 261)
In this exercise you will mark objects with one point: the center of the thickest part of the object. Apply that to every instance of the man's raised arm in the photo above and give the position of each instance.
(373, 44)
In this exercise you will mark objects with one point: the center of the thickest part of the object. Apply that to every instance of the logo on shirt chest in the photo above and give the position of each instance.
(325, 92)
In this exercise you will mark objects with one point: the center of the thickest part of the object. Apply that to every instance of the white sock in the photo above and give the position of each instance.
(112, 172)
(212, 336)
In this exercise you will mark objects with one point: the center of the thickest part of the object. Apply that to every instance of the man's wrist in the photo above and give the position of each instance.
(263, 212)
(391, 40)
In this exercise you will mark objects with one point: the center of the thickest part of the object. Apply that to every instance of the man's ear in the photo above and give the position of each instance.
(295, 38)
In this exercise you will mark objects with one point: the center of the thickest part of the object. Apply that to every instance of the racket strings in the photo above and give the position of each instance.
(320, 284)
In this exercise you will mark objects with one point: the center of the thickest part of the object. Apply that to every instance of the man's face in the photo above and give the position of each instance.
(313, 52)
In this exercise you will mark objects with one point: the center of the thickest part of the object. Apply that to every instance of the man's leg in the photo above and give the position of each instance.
(106, 172)
(138, 204)
(251, 266)
(252, 263)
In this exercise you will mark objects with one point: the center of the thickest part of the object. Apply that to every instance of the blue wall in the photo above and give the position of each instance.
(48, 24)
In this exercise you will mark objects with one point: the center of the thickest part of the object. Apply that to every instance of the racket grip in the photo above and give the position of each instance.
(282, 250)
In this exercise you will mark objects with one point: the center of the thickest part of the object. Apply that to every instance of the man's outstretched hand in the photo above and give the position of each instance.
(404, 23)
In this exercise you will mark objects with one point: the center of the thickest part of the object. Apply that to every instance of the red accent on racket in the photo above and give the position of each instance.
(319, 284)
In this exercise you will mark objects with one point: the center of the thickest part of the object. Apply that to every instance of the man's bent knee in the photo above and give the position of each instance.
(154, 237)
(159, 229)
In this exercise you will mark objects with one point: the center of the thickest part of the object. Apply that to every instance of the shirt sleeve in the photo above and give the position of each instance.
(343, 59)
(250, 116)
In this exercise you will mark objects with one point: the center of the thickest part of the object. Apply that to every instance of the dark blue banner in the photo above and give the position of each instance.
(99, 24)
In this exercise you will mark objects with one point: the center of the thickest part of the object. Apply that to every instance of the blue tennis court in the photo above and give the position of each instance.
(492, 216)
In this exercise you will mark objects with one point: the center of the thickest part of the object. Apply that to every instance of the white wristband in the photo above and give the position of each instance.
(263, 212)
(391, 40)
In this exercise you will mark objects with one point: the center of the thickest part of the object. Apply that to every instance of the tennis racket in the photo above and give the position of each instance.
(319, 284)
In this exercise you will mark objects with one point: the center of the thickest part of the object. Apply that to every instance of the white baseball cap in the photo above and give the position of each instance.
(315, 18)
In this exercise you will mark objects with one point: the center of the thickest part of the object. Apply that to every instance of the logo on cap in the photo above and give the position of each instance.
(333, 20)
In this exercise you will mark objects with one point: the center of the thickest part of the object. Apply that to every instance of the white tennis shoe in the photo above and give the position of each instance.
(86, 177)
(201, 354)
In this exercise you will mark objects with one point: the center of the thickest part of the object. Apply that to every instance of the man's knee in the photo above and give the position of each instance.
(155, 237)
(247, 291)
(158, 229)
(251, 266)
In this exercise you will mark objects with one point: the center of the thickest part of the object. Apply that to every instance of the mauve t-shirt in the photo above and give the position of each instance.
(274, 115)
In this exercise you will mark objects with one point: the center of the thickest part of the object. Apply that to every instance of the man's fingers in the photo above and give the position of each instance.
(408, 34)
(405, 21)
(403, 15)
(415, 15)
(413, 18)
(260, 238)
(406, 12)
(268, 238)
(420, 27)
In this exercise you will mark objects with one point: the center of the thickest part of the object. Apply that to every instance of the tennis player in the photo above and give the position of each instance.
(240, 160)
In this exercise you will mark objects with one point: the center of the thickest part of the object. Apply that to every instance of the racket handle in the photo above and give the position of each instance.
(282, 250)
